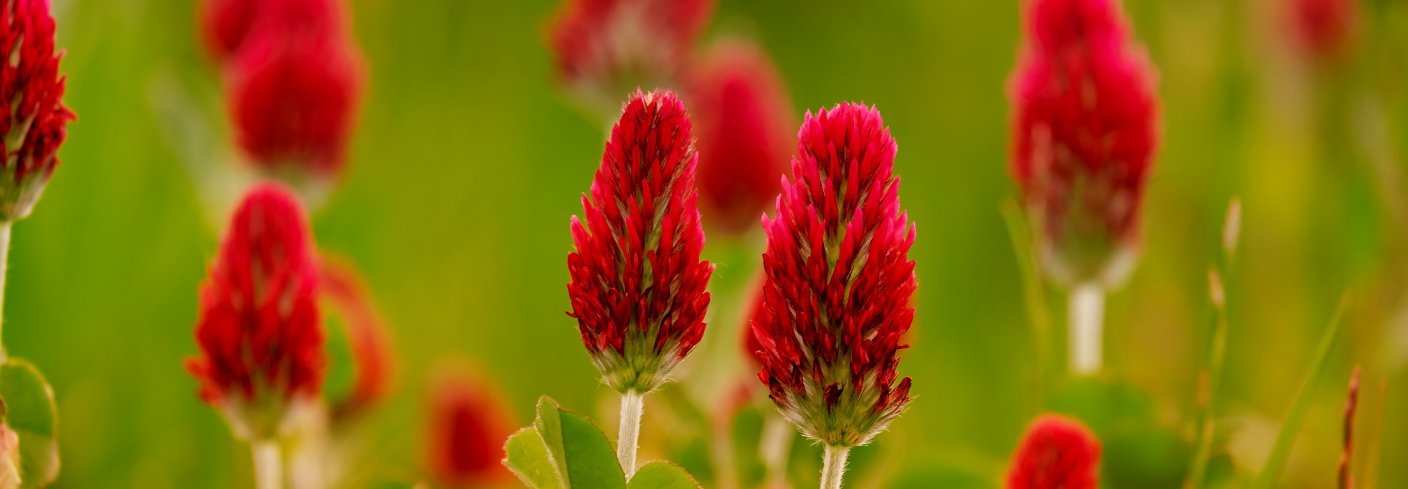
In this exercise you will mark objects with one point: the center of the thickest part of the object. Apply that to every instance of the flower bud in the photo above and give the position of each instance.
(1085, 126)
(261, 343)
(638, 284)
(838, 282)
(465, 437)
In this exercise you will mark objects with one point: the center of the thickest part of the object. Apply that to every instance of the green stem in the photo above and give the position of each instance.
(1290, 427)
(268, 464)
(632, 406)
(833, 466)
(4, 265)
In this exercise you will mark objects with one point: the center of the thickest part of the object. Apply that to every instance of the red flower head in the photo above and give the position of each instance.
(259, 334)
(33, 118)
(227, 24)
(465, 437)
(1085, 126)
(638, 285)
(605, 48)
(741, 111)
(752, 347)
(1057, 453)
(1322, 28)
(839, 281)
(293, 93)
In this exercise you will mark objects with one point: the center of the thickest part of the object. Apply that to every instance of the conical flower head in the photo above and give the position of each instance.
(839, 281)
(1056, 453)
(261, 344)
(294, 92)
(638, 284)
(33, 117)
(606, 48)
(741, 111)
(1085, 126)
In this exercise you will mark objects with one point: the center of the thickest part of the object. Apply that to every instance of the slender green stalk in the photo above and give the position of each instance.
(1087, 321)
(268, 464)
(632, 406)
(4, 265)
(833, 466)
(1032, 292)
(1208, 381)
(773, 447)
(1290, 427)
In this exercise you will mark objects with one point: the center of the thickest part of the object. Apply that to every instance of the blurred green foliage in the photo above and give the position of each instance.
(468, 161)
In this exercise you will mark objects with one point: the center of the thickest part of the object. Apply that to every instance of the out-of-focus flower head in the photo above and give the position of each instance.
(468, 424)
(607, 48)
(1085, 127)
(1321, 29)
(1056, 453)
(294, 88)
(33, 117)
(366, 335)
(227, 24)
(261, 343)
(839, 282)
(741, 113)
(638, 284)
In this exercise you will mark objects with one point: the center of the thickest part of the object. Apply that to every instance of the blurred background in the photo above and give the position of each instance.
(468, 160)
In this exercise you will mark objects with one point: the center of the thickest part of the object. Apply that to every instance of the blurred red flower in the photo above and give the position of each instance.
(261, 343)
(226, 25)
(606, 48)
(33, 118)
(839, 282)
(1056, 453)
(468, 424)
(638, 284)
(1322, 28)
(1085, 126)
(742, 116)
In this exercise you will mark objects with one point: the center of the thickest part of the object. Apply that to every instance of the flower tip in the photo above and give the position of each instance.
(1056, 453)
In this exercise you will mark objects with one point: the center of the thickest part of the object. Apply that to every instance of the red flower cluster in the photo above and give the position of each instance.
(1085, 126)
(741, 112)
(259, 334)
(33, 118)
(638, 284)
(466, 432)
(605, 48)
(295, 80)
(839, 282)
(1057, 453)
(1321, 28)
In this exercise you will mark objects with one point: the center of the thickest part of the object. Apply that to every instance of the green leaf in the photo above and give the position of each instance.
(32, 414)
(662, 475)
(563, 451)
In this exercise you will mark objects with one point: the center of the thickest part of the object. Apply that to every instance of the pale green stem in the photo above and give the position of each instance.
(4, 262)
(1086, 328)
(632, 406)
(773, 447)
(268, 464)
(833, 465)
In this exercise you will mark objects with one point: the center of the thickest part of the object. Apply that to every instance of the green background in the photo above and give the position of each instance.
(468, 161)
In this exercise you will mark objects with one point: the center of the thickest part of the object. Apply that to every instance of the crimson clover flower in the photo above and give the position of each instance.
(741, 114)
(467, 427)
(638, 284)
(838, 282)
(1322, 28)
(1085, 126)
(1056, 453)
(294, 90)
(606, 48)
(33, 117)
(227, 24)
(261, 343)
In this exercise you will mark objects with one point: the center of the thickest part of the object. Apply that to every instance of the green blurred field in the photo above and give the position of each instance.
(468, 162)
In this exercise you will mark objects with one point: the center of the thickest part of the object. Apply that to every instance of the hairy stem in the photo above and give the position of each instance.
(833, 466)
(268, 464)
(632, 406)
(1086, 328)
